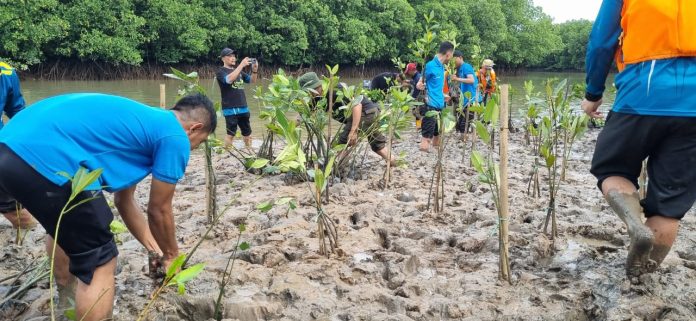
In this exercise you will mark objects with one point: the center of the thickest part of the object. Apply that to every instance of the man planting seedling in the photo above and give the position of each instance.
(434, 80)
(362, 117)
(123, 140)
(653, 117)
(12, 102)
(234, 104)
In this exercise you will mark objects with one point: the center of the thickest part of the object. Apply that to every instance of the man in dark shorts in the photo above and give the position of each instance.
(12, 102)
(434, 80)
(653, 117)
(128, 141)
(230, 78)
(363, 118)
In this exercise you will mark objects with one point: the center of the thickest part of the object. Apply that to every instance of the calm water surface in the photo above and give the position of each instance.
(147, 91)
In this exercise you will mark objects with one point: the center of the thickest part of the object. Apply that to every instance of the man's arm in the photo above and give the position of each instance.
(232, 77)
(134, 219)
(602, 46)
(353, 135)
(468, 80)
(161, 218)
(15, 102)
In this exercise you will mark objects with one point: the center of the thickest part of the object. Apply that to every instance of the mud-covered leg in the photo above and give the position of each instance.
(665, 231)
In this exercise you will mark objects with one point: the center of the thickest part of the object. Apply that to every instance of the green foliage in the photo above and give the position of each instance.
(177, 277)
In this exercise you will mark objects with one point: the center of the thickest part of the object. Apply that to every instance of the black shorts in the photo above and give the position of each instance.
(241, 120)
(84, 232)
(429, 128)
(669, 143)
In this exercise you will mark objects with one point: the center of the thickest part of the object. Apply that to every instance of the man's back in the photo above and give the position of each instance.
(127, 139)
(435, 83)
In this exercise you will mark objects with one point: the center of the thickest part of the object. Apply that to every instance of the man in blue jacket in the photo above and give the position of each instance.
(128, 141)
(12, 102)
(653, 117)
(433, 81)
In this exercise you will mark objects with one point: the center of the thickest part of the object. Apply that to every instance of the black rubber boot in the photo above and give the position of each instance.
(627, 207)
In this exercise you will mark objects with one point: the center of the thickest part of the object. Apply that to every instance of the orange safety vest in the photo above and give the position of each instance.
(656, 29)
(483, 82)
(445, 88)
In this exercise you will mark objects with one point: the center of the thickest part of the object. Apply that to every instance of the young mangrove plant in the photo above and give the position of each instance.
(399, 103)
(559, 128)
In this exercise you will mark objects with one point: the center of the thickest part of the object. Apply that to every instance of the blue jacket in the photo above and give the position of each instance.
(663, 87)
(11, 99)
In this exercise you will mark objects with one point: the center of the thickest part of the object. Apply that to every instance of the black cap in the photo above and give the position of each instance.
(226, 52)
(458, 53)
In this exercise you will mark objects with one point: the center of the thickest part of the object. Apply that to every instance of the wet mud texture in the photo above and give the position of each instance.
(398, 261)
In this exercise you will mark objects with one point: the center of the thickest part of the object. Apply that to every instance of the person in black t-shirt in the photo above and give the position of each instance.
(234, 105)
(363, 117)
(385, 80)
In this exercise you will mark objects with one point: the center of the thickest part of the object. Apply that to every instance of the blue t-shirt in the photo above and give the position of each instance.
(125, 138)
(464, 71)
(11, 99)
(663, 87)
(435, 83)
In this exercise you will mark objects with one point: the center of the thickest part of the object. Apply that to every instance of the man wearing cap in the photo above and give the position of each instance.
(230, 78)
(434, 81)
(487, 79)
(362, 119)
(468, 90)
(11, 103)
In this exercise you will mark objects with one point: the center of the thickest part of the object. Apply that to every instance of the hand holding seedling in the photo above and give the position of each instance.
(352, 138)
(421, 84)
(590, 108)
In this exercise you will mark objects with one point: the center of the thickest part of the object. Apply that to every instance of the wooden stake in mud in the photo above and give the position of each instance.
(643, 180)
(163, 96)
(210, 187)
(504, 201)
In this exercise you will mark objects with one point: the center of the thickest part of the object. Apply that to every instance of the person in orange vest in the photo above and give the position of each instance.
(653, 117)
(487, 79)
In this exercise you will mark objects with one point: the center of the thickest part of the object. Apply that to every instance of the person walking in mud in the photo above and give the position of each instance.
(98, 131)
(11, 103)
(653, 117)
(234, 104)
(362, 119)
(434, 80)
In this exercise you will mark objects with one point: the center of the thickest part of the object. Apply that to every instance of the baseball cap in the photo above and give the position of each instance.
(410, 67)
(226, 52)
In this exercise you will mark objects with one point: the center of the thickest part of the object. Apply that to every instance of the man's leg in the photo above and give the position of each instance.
(231, 126)
(95, 301)
(65, 281)
(623, 197)
(665, 230)
(229, 139)
(245, 128)
(21, 219)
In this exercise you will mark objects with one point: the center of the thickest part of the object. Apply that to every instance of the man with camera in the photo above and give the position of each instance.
(231, 77)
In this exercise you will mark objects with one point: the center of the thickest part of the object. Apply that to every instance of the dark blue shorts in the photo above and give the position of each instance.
(84, 232)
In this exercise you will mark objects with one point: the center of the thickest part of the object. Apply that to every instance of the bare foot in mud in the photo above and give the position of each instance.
(627, 207)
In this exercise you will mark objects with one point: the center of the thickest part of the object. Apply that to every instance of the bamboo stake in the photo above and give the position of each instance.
(163, 96)
(504, 201)
(643, 180)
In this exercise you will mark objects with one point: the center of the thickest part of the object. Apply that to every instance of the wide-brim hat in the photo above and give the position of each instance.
(488, 63)
(309, 80)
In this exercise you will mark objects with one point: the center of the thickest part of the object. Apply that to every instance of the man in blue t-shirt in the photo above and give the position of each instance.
(466, 77)
(433, 83)
(234, 104)
(12, 102)
(125, 139)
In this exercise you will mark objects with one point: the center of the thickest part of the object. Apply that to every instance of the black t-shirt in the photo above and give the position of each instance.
(340, 114)
(380, 81)
(232, 97)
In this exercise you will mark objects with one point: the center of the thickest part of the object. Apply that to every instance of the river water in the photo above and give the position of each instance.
(147, 91)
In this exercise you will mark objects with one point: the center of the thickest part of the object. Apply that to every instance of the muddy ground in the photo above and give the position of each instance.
(398, 261)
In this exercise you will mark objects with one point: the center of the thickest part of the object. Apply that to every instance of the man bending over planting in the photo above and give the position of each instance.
(653, 117)
(362, 118)
(128, 141)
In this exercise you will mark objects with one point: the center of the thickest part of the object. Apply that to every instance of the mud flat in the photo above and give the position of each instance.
(398, 261)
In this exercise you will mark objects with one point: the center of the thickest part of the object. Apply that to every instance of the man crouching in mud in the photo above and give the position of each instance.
(654, 117)
(128, 141)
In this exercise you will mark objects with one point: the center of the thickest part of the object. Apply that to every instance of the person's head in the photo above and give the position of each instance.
(458, 58)
(487, 64)
(411, 70)
(228, 57)
(197, 116)
(446, 51)
(310, 80)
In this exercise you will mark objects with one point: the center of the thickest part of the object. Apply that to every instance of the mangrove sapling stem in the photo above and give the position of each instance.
(225, 277)
(217, 219)
(503, 198)
(210, 186)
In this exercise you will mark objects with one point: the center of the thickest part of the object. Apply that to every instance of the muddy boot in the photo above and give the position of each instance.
(627, 207)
